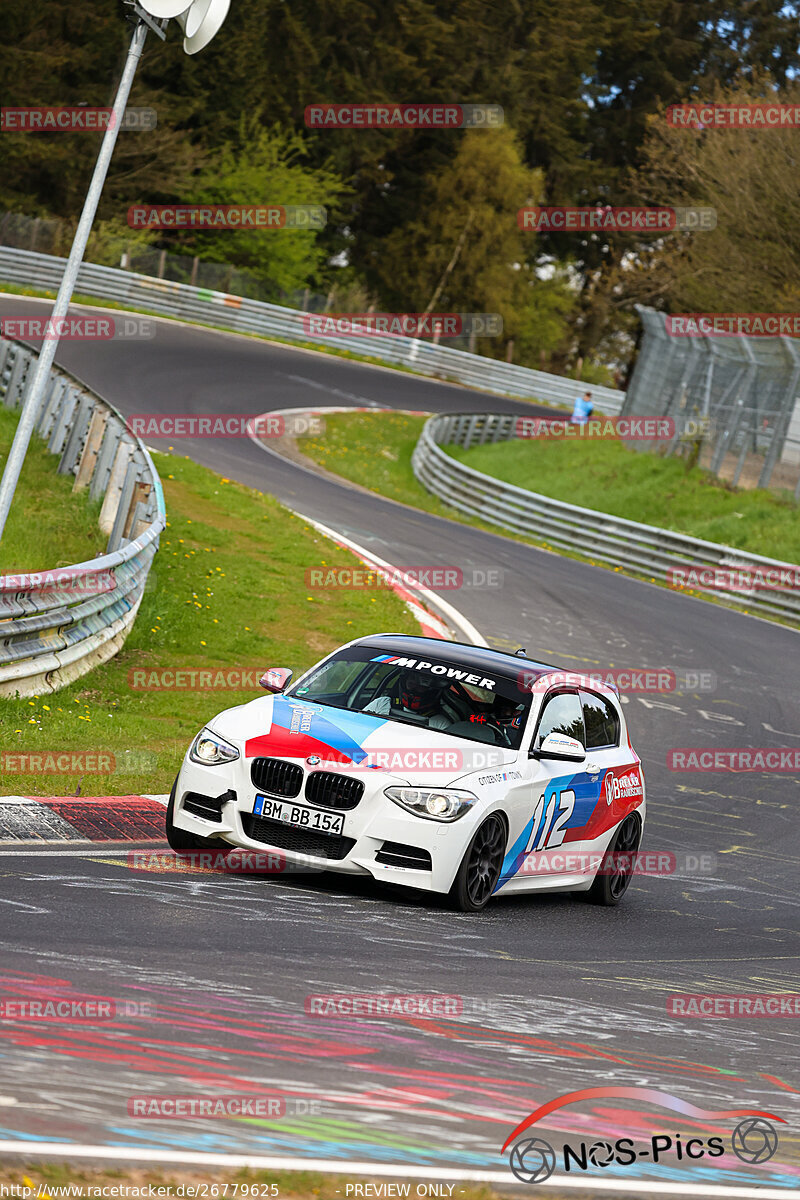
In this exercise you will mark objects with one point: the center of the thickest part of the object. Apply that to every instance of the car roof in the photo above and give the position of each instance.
(465, 654)
(460, 653)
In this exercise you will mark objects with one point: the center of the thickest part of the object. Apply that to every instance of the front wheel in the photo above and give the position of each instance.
(612, 881)
(480, 868)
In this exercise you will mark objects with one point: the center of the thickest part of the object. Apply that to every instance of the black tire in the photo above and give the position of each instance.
(608, 889)
(181, 839)
(480, 867)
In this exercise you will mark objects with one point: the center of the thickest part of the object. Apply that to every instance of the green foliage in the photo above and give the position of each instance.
(265, 167)
(470, 211)
(579, 85)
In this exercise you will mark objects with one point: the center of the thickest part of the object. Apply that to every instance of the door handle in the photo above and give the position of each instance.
(592, 768)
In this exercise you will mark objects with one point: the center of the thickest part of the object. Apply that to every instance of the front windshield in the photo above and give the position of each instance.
(457, 700)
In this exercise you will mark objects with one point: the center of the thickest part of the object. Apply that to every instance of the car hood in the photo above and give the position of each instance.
(280, 727)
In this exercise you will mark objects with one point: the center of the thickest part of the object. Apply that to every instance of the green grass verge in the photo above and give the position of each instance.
(647, 488)
(47, 526)
(228, 592)
(374, 450)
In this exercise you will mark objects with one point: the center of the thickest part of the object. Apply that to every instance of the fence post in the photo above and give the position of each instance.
(783, 420)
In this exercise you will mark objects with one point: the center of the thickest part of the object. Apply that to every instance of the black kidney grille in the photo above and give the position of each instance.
(333, 791)
(277, 777)
(289, 837)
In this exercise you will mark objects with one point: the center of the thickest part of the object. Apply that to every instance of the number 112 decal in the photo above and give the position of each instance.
(545, 833)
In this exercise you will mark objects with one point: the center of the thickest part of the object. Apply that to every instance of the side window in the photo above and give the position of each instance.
(561, 714)
(602, 722)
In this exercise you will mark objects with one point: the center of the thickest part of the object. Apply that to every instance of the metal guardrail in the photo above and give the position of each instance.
(243, 315)
(615, 541)
(58, 624)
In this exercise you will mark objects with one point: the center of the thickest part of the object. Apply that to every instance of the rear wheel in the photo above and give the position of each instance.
(480, 868)
(609, 888)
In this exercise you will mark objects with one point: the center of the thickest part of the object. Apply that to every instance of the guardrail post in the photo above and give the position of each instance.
(132, 472)
(116, 482)
(58, 386)
(68, 402)
(108, 451)
(91, 449)
(15, 384)
(6, 352)
(470, 429)
(76, 436)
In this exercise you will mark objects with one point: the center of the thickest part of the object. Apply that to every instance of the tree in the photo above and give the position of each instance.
(751, 261)
(264, 167)
(60, 54)
(467, 250)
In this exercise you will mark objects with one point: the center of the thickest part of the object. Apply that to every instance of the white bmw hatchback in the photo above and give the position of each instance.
(436, 765)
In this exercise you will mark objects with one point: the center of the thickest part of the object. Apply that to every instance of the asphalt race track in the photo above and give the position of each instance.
(557, 995)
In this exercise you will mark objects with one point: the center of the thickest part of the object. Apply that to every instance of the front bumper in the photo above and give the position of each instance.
(368, 827)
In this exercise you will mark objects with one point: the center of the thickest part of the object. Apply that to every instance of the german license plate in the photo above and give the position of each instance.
(299, 815)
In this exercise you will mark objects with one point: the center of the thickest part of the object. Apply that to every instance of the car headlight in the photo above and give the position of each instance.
(211, 750)
(440, 804)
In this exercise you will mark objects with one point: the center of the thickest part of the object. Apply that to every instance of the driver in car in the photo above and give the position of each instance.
(508, 715)
(419, 699)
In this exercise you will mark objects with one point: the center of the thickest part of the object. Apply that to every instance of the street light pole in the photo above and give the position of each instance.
(50, 344)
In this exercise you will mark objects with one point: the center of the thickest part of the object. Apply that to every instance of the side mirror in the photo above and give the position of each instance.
(276, 679)
(560, 747)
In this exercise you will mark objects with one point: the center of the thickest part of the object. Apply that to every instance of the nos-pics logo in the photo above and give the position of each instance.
(533, 1160)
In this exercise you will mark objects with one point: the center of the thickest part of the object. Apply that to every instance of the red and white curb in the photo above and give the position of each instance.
(39, 819)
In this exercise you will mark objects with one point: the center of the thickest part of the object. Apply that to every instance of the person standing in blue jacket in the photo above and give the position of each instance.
(583, 409)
